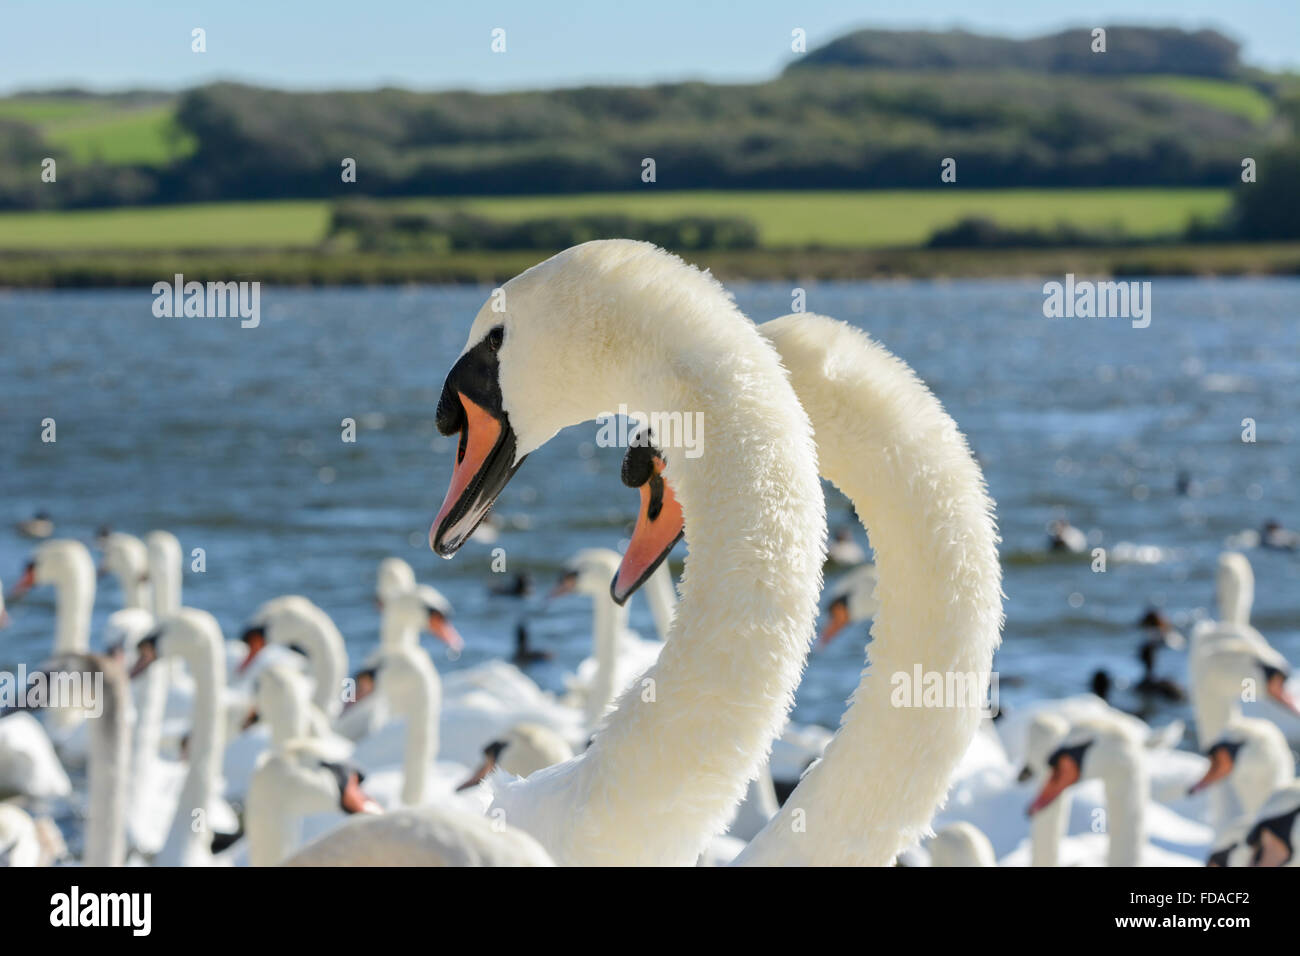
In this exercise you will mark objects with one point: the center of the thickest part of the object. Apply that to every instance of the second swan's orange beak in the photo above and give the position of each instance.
(659, 522)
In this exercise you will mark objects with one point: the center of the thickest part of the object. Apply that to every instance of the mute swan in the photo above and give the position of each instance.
(126, 558)
(1235, 588)
(1109, 751)
(961, 844)
(1275, 837)
(1169, 772)
(921, 497)
(195, 637)
(428, 836)
(613, 322)
(394, 577)
(619, 656)
(1230, 670)
(67, 566)
(28, 764)
(853, 599)
(408, 683)
(283, 712)
(294, 620)
(293, 780)
(888, 444)
(154, 781)
(105, 693)
(1253, 757)
(526, 749)
(165, 572)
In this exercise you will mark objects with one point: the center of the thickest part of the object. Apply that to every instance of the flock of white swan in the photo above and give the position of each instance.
(275, 749)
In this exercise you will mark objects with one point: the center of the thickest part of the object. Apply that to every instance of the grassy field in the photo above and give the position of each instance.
(316, 267)
(1238, 98)
(93, 131)
(860, 220)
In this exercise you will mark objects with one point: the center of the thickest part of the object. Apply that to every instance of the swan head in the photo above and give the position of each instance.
(188, 633)
(1234, 585)
(1093, 750)
(297, 776)
(660, 523)
(1254, 752)
(1235, 664)
(853, 598)
(526, 749)
(557, 345)
(281, 620)
(1065, 766)
(64, 563)
(1223, 759)
(587, 572)
(425, 609)
(394, 577)
(1044, 735)
(125, 557)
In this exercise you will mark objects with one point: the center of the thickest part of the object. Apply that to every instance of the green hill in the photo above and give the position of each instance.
(871, 110)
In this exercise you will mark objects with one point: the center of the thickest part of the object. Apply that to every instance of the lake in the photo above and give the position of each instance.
(231, 439)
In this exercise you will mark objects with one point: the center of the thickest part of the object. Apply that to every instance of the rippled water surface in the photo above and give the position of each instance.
(230, 438)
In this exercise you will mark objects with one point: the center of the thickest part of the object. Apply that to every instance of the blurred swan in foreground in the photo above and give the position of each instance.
(961, 844)
(428, 836)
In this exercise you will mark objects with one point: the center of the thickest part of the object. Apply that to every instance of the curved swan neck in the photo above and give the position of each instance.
(418, 700)
(887, 443)
(164, 572)
(74, 600)
(203, 653)
(608, 620)
(135, 592)
(328, 663)
(1126, 798)
(107, 771)
(670, 764)
(274, 830)
(1047, 830)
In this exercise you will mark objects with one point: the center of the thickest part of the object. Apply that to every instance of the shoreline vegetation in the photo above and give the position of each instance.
(922, 234)
(314, 267)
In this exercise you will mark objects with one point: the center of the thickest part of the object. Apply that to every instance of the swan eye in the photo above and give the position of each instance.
(496, 337)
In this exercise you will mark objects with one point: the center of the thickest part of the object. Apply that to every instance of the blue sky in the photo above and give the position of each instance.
(434, 44)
